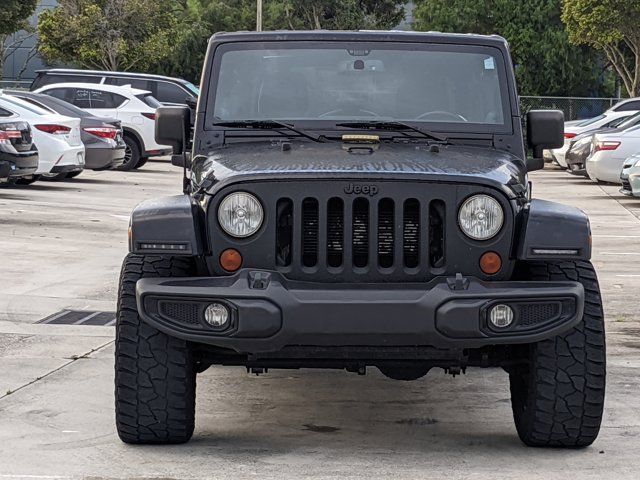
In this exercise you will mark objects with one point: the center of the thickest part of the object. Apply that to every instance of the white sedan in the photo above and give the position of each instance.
(136, 110)
(56, 137)
(609, 119)
(609, 152)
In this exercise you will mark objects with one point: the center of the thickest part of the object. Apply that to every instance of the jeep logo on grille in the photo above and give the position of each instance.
(370, 190)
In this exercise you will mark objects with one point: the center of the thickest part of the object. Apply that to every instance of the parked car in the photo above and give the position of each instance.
(609, 151)
(609, 119)
(136, 109)
(57, 137)
(18, 154)
(630, 176)
(167, 90)
(580, 146)
(626, 105)
(102, 137)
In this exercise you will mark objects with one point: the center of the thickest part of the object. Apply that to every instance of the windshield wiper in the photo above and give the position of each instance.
(270, 125)
(399, 126)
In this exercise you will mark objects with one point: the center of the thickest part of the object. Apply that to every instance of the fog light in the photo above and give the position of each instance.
(216, 315)
(501, 316)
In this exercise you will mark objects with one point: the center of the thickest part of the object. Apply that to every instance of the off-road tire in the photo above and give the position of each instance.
(155, 381)
(558, 398)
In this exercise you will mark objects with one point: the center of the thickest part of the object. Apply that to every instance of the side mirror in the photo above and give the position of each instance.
(545, 129)
(173, 127)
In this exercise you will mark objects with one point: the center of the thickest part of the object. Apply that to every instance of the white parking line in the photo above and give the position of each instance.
(84, 319)
(629, 276)
(58, 315)
(619, 253)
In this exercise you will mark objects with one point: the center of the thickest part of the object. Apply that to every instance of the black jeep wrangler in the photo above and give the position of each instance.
(359, 199)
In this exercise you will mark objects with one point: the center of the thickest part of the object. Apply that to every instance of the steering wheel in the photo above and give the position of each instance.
(455, 116)
(343, 110)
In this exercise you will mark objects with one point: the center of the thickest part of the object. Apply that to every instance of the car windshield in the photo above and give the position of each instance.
(452, 86)
(192, 88)
(590, 121)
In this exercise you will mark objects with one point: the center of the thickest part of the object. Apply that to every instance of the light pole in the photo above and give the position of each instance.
(259, 16)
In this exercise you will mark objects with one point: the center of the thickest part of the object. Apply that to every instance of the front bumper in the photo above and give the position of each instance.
(269, 312)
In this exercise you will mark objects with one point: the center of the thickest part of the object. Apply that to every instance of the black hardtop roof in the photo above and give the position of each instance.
(111, 73)
(363, 36)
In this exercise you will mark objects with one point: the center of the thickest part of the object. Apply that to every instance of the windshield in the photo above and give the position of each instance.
(366, 82)
(192, 88)
(591, 121)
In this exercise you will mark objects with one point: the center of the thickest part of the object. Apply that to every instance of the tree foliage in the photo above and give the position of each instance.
(109, 34)
(546, 62)
(14, 15)
(206, 17)
(612, 26)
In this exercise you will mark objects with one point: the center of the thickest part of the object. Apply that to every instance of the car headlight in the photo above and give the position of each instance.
(481, 217)
(240, 214)
(637, 164)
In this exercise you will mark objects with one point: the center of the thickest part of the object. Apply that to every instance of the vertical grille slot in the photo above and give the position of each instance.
(335, 232)
(436, 233)
(284, 232)
(309, 232)
(360, 229)
(386, 229)
(411, 233)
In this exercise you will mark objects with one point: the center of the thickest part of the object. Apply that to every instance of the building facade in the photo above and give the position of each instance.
(23, 59)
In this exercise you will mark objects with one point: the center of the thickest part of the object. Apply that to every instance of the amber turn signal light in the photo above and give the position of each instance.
(230, 260)
(490, 263)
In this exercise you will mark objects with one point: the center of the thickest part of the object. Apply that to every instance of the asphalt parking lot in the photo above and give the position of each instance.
(62, 244)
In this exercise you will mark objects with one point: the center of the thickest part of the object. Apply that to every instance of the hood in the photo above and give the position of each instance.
(268, 160)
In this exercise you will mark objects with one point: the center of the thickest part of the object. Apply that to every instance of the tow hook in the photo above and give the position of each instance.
(458, 283)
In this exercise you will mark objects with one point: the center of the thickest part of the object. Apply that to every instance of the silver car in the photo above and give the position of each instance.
(630, 176)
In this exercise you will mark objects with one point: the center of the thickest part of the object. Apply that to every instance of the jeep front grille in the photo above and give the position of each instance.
(350, 231)
(373, 238)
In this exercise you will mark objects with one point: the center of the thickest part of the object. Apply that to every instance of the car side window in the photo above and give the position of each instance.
(171, 93)
(86, 98)
(66, 94)
(5, 113)
(134, 82)
(629, 106)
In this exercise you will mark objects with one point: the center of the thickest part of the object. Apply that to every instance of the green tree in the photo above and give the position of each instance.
(546, 62)
(202, 18)
(612, 26)
(13, 17)
(109, 34)
(333, 14)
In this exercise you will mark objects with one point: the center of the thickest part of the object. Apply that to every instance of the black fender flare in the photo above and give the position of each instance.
(553, 231)
(166, 226)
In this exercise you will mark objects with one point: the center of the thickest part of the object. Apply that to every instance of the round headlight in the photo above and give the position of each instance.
(480, 217)
(240, 214)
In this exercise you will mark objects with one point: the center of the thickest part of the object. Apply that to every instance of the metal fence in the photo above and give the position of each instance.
(574, 108)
